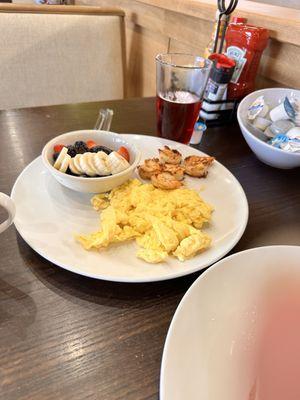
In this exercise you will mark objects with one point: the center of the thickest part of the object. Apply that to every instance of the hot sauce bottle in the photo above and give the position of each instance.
(245, 44)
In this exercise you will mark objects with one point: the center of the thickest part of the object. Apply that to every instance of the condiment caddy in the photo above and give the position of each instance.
(233, 73)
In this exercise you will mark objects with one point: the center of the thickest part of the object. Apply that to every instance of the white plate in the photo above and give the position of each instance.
(209, 352)
(49, 214)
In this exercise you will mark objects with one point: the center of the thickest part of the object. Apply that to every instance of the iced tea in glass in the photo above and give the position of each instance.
(180, 84)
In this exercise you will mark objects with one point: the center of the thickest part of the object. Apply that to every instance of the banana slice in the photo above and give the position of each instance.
(86, 165)
(76, 163)
(73, 168)
(60, 158)
(65, 163)
(91, 164)
(90, 160)
(102, 155)
(117, 163)
(100, 163)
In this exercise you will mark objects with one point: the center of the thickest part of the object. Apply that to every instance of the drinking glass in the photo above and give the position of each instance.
(180, 84)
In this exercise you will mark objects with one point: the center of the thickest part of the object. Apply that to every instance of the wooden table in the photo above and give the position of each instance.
(66, 337)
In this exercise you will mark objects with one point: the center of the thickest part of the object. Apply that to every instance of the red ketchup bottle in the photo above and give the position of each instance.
(245, 44)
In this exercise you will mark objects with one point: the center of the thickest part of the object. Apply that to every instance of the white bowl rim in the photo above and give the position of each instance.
(195, 283)
(99, 178)
(261, 92)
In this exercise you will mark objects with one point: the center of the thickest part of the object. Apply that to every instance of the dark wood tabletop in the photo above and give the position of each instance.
(64, 336)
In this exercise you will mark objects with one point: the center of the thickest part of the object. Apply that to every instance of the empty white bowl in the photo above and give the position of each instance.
(91, 185)
(256, 140)
(211, 347)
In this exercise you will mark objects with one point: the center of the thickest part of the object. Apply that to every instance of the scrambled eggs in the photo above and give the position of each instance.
(163, 222)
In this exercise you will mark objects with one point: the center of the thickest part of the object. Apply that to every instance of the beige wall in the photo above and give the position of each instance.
(154, 26)
(283, 3)
(33, 2)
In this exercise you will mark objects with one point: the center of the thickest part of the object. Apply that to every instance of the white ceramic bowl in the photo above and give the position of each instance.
(212, 341)
(268, 154)
(91, 185)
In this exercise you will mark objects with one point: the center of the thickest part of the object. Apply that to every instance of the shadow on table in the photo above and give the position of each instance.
(76, 287)
(17, 310)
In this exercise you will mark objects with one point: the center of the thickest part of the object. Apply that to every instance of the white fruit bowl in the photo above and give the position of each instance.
(268, 154)
(91, 185)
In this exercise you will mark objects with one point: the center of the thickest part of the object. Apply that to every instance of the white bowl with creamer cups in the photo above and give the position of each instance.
(98, 184)
(7, 203)
(256, 140)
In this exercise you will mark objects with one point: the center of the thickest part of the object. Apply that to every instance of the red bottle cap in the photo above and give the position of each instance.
(222, 61)
(239, 20)
(222, 69)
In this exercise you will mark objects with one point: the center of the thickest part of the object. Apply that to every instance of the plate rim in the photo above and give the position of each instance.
(123, 279)
(188, 293)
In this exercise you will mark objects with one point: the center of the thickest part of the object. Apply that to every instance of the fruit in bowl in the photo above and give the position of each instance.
(90, 161)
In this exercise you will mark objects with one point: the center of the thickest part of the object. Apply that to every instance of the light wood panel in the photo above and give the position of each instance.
(138, 13)
(53, 9)
(283, 23)
(187, 29)
(280, 62)
(282, 3)
(177, 46)
(187, 26)
(142, 47)
(262, 82)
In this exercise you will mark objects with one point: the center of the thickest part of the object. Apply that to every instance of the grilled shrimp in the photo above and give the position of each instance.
(149, 168)
(176, 170)
(165, 180)
(197, 166)
(169, 156)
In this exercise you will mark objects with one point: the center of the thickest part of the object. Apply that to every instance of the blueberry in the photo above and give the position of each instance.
(95, 149)
(80, 147)
(71, 151)
(69, 172)
(55, 155)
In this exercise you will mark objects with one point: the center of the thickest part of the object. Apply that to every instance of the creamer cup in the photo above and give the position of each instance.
(258, 109)
(196, 138)
(261, 123)
(285, 110)
(281, 127)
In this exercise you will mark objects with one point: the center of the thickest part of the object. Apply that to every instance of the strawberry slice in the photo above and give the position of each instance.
(90, 144)
(124, 153)
(57, 148)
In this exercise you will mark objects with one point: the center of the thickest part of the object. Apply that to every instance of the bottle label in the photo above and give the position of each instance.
(238, 55)
(212, 87)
